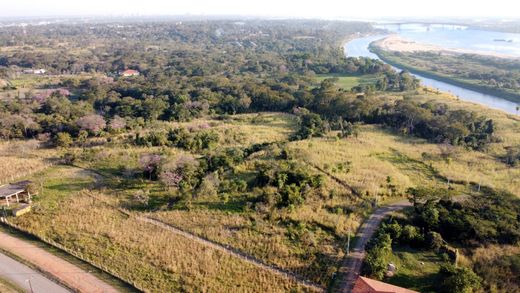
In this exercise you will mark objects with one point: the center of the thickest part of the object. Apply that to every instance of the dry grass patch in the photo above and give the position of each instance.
(21, 158)
(308, 240)
(153, 258)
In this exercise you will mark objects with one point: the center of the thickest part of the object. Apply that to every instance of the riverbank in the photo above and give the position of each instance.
(395, 61)
(396, 43)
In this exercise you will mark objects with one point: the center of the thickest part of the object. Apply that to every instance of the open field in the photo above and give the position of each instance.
(308, 239)
(347, 82)
(416, 270)
(19, 159)
(110, 239)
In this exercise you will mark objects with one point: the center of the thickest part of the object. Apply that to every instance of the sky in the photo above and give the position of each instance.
(275, 8)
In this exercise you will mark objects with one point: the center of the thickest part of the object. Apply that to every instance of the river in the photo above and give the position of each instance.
(359, 48)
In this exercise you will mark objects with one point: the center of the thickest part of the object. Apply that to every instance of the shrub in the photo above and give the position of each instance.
(458, 279)
(411, 235)
(63, 139)
(378, 251)
(434, 241)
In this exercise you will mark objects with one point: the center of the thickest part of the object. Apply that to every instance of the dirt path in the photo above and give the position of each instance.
(339, 181)
(351, 266)
(234, 252)
(63, 271)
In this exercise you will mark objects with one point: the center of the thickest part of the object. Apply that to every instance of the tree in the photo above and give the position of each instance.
(117, 123)
(150, 164)
(93, 123)
(378, 251)
(311, 125)
(153, 108)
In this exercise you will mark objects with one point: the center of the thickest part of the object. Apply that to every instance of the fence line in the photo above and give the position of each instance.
(75, 254)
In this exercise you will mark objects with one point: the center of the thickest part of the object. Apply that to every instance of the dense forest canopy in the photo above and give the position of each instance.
(189, 69)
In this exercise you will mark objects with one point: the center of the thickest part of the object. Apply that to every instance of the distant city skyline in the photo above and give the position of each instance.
(272, 8)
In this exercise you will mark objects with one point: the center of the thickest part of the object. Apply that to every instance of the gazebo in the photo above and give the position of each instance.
(15, 192)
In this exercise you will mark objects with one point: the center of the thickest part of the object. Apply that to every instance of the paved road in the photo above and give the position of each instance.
(351, 267)
(19, 273)
(67, 273)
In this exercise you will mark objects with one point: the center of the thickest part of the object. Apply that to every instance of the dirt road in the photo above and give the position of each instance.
(65, 272)
(351, 266)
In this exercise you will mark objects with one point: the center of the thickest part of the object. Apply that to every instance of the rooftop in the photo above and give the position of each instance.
(381, 287)
(13, 188)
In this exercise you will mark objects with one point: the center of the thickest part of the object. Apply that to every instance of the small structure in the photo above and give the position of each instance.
(15, 192)
(366, 285)
(35, 71)
(129, 73)
(390, 270)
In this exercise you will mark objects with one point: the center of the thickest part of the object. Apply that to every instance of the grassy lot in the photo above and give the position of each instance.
(20, 158)
(307, 239)
(349, 81)
(151, 257)
(416, 270)
(275, 239)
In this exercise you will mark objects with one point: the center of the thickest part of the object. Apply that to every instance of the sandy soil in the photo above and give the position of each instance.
(400, 44)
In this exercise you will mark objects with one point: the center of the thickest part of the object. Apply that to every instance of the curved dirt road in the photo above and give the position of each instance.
(351, 266)
(67, 273)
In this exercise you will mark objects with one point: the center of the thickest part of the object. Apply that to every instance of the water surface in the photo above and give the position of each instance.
(359, 48)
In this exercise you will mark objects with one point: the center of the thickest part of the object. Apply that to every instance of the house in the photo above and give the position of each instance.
(35, 71)
(366, 285)
(129, 73)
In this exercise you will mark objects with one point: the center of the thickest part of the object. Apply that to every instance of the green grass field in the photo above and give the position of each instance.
(416, 269)
(349, 81)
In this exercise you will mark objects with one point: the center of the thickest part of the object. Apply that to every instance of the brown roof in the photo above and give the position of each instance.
(381, 287)
(130, 71)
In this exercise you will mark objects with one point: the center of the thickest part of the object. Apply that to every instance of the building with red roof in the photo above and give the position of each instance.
(129, 72)
(366, 285)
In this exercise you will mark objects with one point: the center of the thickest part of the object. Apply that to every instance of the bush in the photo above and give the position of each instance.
(378, 251)
(434, 241)
(411, 235)
(458, 279)
(63, 139)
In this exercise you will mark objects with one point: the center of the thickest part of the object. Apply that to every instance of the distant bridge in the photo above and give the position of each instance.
(426, 24)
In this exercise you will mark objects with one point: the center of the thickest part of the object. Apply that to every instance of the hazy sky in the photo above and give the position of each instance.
(298, 8)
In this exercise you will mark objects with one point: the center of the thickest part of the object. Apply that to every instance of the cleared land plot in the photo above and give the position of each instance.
(347, 82)
(151, 257)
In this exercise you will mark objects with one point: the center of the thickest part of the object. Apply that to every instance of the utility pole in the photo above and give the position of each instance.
(30, 285)
(348, 241)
